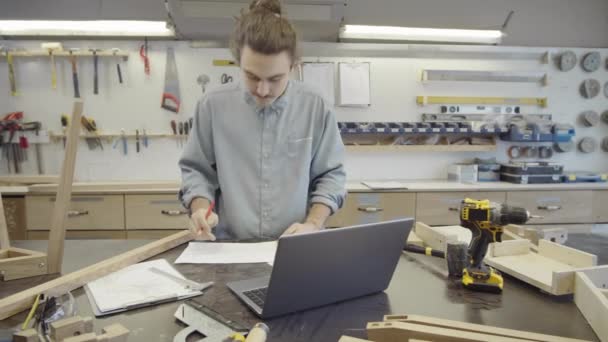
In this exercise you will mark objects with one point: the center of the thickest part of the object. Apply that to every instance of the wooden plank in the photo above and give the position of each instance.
(4, 239)
(114, 333)
(64, 194)
(27, 180)
(82, 234)
(507, 248)
(402, 331)
(70, 326)
(344, 338)
(153, 234)
(24, 300)
(563, 281)
(28, 335)
(567, 255)
(437, 237)
(592, 304)
(479, 328)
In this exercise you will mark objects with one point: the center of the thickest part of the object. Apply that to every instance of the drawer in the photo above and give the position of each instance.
(442, 208)
(600, 206)
(80, 234)
(361, 208)
(555, 206)
(155, 212)
(86, 212)
(152, 234)
(14, 213)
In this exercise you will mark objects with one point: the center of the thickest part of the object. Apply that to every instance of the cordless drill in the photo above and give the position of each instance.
(486, 220)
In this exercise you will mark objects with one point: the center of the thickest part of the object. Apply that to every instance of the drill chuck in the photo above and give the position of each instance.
(512, 215)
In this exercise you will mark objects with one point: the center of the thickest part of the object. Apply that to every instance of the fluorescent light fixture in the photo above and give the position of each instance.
(124, 28)
(420, 34)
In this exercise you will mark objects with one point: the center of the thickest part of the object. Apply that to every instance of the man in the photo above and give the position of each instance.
(266, 152)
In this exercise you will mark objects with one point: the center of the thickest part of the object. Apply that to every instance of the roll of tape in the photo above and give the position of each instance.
(587, 145)
(514, 152)
(545, 152)
(605, 117)
(531, 152)
(563, 147)
(605, 144)
(590, 88)
(589, 118)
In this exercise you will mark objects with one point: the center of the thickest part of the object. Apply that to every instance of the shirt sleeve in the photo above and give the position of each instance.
(197, 163)
(328, 177)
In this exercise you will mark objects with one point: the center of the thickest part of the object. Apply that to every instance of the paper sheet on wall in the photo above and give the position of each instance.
(354, 87)
(321, 77)
(228, 253)
(137, 285)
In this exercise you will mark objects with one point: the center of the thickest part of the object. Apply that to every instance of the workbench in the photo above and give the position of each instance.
(419, 286)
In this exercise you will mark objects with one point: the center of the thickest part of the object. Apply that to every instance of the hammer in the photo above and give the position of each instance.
(52, 47)
(95, 78)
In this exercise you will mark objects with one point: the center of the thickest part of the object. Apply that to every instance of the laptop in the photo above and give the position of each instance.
(325, 267)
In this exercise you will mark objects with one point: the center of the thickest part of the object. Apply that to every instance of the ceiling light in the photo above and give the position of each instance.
(123, 28)
(364, 32)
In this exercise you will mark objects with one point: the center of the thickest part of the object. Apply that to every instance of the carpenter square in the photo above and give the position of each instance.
(203, 320)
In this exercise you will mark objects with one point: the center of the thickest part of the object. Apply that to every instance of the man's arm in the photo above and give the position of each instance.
(317, 215)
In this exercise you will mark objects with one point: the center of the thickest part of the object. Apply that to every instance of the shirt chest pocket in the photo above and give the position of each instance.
(299, 148)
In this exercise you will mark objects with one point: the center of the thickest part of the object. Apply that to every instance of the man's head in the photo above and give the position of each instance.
(264, 45)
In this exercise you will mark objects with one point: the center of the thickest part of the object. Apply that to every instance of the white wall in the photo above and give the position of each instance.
(136, 104)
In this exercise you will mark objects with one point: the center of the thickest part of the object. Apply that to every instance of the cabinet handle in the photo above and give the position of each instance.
(370, 209)
(75, 213)
(549, 207)
(174, 212)
(453, 209)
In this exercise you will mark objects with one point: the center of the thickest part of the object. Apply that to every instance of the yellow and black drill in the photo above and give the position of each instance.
(486, 220)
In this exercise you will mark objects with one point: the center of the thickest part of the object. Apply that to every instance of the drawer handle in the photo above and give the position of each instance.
(174, 212)
(453, 209)
(75, 213)
(370, 209)
(549, 207)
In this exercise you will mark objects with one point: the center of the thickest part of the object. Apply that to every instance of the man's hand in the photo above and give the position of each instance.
(200, 223)
(299, 228)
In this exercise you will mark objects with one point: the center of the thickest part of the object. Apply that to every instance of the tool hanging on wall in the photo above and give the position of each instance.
(11, 73)
(226, 79)
(171, 91)
(566, 61)
(174, 129)
(52, 47)
(587, 145)
(95, 71)
(91, 126)
(74, 75)
(145, 139)
(180, 129)
(143, 53)
(202, 80)
(589, 118)
(591, 61)
(118, 71)
(223, 62)
(590, 88)
(64, 127)
(124, 141)
(137, 140)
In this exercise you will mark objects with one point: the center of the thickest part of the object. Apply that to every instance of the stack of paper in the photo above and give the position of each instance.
(136, 286)
(228, 253)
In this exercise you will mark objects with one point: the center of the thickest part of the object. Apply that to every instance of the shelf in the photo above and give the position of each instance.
(66, 53)
(429, 76)
(420, 148)
(522, 101)
(109, 136)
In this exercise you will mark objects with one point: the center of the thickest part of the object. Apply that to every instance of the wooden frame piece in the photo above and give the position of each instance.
(28, 180)
(438, 237)
(17, 263)
(477, 328)
(551, 269)
(591, 298)
(23, 300)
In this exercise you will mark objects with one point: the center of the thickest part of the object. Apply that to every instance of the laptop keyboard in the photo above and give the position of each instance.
(257, 296)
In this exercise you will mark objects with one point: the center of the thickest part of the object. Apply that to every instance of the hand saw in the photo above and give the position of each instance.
(171, 100)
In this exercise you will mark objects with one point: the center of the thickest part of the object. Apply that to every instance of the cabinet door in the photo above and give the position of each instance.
(369, 207)
(555, 206)
(86, 212)
(155, 212)
(442, 208)
(600, 206)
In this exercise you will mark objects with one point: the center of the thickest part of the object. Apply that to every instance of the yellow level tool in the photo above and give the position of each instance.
(523, 101)
(223, 62)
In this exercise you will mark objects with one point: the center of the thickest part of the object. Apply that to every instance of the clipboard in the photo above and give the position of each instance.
(354, 84)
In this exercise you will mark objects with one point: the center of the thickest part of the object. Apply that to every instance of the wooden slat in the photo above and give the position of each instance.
(21, 263)
(4, 240)
(27, 180)
(23, 300)
(567, 255)
(64, 193)
(402, 331)
(592, 304)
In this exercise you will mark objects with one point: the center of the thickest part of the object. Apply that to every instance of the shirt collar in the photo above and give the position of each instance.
(277, 106)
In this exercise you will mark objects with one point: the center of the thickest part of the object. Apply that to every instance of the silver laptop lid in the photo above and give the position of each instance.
(332, 265)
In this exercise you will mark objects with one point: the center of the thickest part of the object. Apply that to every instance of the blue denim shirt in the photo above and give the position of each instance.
(263, 166)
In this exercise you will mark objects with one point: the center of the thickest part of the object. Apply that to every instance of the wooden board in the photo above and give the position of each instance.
(437, 237)
(403, 331)
(478, 328)
(27, 180)
(152, 234)
(592, 303)
(4, 239)
(81, 234)
(64, 194)
(17, 263)
(23, 300)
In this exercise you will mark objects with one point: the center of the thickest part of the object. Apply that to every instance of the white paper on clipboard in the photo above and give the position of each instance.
(321, 77)
(354, 87)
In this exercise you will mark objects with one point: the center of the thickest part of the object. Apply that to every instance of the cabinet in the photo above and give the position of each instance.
(600, 206)
(368, 207)
(555, 206)
(86, 212)
(442, 208)
(155, 212)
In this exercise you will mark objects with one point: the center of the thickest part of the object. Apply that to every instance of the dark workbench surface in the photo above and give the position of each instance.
(419, 286)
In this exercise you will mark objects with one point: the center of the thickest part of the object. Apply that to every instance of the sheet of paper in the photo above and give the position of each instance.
(321, 77)
(384, 185)
(228, 253)
(136, 285)
(354, 87)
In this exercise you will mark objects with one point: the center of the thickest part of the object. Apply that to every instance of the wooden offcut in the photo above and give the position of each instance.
(591, 300)
(4, 239)
(64, 194)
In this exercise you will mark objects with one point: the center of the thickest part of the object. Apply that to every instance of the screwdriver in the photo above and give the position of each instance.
(137, 140)
(174, 128)
(64, 125)
(181, 132)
